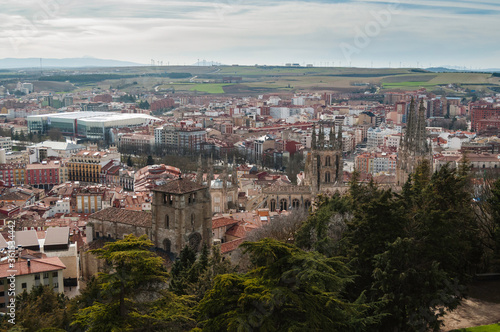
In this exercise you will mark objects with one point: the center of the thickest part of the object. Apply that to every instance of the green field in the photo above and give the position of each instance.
(273, 79)
(209, 87)
(484, 328)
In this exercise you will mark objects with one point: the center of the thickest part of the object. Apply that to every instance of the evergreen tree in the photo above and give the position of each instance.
(129, 162)
(41, 308)
(132, 269)
(288, 290)
(150, 161)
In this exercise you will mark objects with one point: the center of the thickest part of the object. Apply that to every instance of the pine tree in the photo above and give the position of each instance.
(132, 269)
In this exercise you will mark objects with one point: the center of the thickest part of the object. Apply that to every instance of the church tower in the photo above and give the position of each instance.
(324, 164)
(414, 146)
(181, 215)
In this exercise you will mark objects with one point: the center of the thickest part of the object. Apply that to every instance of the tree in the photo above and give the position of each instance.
(415, 251)
(150, 161)
(282, 228)
(127, 99)
(288, 289)
(55, 134)
(144, 105)
(129, 162)
(182, 271)
(132, 270)
(41, 308)
(325, 226)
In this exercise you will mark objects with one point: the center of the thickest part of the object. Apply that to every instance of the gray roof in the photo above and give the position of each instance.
(58, 145)
(57, 236)
(27, 238)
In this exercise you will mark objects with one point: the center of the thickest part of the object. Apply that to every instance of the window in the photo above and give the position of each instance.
(273, 205)
(54, 274)
(37, 276)
(56, 284)
(23, 286)
(2, 294)
(327, 177)
(45, 275)
(295, 203)
(167, 222)
(283, 204)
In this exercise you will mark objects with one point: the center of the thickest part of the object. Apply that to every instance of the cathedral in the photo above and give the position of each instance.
(324, 164)
(414, 146)
(323, 173)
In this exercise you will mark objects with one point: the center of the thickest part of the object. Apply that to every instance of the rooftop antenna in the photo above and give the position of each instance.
(41, 68)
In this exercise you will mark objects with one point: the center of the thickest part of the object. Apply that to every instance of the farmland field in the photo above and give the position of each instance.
(253, 80)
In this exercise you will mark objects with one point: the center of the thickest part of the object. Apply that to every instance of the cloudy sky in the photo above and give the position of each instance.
(381, 33)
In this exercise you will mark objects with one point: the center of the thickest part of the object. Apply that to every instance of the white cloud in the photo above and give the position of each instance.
(234, 31)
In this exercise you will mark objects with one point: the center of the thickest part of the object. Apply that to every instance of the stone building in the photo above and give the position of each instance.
(181, 215)
(414, 147)
(323, 174)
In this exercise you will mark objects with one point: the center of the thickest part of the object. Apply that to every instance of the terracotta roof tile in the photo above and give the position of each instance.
(129, 217)
(221, 222)
(230, 246)
(37, 266)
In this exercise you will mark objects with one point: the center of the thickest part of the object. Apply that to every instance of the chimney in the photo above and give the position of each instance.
(29, 263)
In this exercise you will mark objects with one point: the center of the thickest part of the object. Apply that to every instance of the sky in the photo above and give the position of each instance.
(360, 33)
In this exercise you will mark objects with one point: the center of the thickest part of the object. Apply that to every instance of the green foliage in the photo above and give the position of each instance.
(127, 98)
(414, 251)
(129, 162)
(194, 277)
(183, 272)
(484, 328)
(288, 290)
(144, 105)
(325, 225)
(132, 270)
(150, 161)
(41, 308)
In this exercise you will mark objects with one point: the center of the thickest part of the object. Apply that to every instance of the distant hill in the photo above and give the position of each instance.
(455, 70)
(10, 63)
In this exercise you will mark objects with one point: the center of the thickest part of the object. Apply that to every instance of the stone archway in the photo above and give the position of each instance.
(167, 246)
(194, 241)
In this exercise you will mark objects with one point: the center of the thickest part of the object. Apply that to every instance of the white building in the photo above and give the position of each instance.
(6, 144)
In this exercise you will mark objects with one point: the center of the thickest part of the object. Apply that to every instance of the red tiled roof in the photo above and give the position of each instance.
(221, 222)
(37, 266)
(238, 231)
(230, 246)
(129, 217)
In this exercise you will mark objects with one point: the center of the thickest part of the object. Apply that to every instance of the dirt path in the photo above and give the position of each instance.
(482, 307)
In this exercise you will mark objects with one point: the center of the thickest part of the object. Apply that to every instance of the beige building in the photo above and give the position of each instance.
(31, 272)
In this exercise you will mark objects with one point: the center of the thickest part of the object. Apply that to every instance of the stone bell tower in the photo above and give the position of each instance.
(181, 215)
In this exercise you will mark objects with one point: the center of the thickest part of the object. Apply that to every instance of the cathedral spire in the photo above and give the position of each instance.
(332, 136)
(410, 126)
(313, 138)
(420, 134)
(321, 139)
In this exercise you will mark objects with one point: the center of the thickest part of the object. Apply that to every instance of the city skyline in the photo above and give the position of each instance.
(368, 33)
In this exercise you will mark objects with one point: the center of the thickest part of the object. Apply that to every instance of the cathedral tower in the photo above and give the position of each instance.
(414, 146)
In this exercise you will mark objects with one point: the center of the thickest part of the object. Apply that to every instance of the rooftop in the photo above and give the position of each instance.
(179, 186)
(36, 266)
(129, 217)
